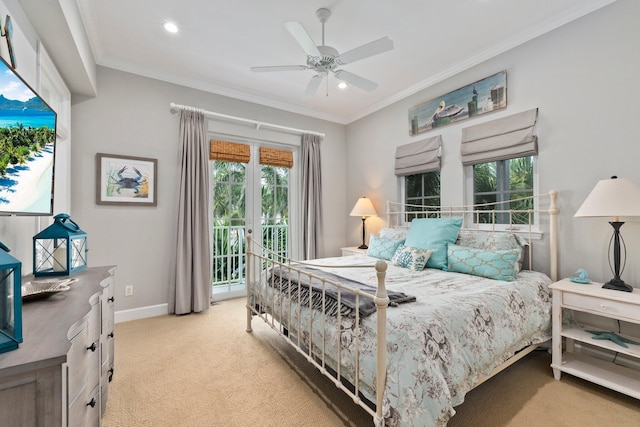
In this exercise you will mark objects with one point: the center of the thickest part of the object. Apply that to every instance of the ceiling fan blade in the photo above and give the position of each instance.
(302, 37)
(356, 80)
(313, 86)
(375, 47)
(279, 68)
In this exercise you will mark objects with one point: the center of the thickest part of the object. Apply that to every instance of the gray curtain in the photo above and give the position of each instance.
(311, 195)
(192, 288)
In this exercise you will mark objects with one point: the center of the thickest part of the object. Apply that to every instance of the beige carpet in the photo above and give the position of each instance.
(205, 370)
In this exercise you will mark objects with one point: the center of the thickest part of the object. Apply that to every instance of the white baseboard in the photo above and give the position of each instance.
(141, 313)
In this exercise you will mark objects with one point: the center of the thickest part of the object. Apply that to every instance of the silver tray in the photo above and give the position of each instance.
(36, 290)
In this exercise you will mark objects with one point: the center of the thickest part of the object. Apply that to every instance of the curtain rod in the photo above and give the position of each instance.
(174, 108)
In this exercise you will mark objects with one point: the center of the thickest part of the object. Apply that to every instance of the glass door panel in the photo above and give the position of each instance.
(229, 220)
(246, 197)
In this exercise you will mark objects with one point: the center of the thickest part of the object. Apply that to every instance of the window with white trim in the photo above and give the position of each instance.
(499, 159)
(421, 189)
(418, 166)
(499, 186)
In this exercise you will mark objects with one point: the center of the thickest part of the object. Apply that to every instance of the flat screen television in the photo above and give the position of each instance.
(27, 147)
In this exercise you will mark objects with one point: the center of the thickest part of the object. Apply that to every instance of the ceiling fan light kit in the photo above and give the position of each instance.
(325, 59)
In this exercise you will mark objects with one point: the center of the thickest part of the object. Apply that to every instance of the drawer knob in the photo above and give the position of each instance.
(92, 347)
(110, 335)
(111, 299)
(603, 306)
(92, 403)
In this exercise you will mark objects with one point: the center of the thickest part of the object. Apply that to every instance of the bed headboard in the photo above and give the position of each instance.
(530, 217)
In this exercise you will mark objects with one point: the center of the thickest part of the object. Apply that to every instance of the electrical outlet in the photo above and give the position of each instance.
(128, 290)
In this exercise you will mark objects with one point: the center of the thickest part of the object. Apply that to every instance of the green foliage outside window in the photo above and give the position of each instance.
(229, 216)
(422, 189)
(504, 181)
(501, 182)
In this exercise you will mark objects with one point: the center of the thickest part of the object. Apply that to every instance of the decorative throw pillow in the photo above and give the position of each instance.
(382, 248)
(499, 265)
(411, 258)
(494, 241)
(394, 233)
(434, 234)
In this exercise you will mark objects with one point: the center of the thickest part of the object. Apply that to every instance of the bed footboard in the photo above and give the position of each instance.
(292, 316)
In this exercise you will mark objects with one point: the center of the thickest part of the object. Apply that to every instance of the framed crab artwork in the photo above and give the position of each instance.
(126, 180)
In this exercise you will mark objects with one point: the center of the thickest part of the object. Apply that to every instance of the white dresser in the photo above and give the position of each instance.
(59, 375)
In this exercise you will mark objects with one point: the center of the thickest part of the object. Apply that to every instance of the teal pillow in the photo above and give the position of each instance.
(499, 265)
(434, 234)
(382, 248)
(411, 258)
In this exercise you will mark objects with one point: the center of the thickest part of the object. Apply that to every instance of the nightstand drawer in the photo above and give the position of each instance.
(617, 309)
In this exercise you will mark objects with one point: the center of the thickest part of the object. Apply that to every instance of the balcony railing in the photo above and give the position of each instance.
(229, 250)
(228, 255)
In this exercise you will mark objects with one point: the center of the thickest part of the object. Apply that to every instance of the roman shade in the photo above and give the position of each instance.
(419, 157)
(276, 157)
(229, 151)
(505, 138)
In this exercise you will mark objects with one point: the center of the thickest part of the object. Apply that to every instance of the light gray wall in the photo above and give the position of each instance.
(130, 116)
(583, 78)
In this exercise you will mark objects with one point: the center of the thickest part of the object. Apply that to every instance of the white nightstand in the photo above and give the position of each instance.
(607, 303)
(353, 250)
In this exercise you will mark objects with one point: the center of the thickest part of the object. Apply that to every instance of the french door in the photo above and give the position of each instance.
(247, 197)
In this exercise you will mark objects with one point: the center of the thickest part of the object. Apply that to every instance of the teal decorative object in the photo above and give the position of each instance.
(601, 335)
(10, 301)
(382, 248)
(582, 278)
(498, 265)
(60, 249)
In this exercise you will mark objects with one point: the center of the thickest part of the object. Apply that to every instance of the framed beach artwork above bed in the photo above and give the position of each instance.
(126, 180)
(483, 96)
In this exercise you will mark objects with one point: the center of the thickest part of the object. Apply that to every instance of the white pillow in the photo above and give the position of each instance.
(397, 233)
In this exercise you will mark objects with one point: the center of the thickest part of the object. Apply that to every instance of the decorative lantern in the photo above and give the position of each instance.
(10, 301)
(60, 249)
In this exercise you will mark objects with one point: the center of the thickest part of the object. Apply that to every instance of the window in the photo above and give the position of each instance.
(504, 181)
(422, 189)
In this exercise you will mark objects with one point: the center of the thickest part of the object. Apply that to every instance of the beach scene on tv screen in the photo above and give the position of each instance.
(27, 143)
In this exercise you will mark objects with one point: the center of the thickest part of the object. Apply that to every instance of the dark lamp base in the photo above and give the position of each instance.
(363, 246)
(618, 285)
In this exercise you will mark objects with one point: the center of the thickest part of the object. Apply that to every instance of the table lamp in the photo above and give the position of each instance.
(363, 208)
(613, 197)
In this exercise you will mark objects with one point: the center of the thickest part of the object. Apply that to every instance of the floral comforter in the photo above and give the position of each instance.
(459, 329)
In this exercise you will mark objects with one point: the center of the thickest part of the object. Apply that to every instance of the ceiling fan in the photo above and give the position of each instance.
(324, 59)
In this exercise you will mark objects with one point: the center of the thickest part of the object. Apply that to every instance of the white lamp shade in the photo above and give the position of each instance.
(363, 208)
(612, 197)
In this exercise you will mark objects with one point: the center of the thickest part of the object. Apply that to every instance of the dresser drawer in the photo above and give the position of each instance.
(617, 309)
(85, 411)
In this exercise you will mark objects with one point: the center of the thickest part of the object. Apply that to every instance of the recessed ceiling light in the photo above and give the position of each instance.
(171, 27)
(342, 85)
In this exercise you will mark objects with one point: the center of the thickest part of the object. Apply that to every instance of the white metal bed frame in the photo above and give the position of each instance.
(259, 260)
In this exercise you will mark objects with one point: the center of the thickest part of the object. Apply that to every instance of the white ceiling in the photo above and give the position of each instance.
(220, 40)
